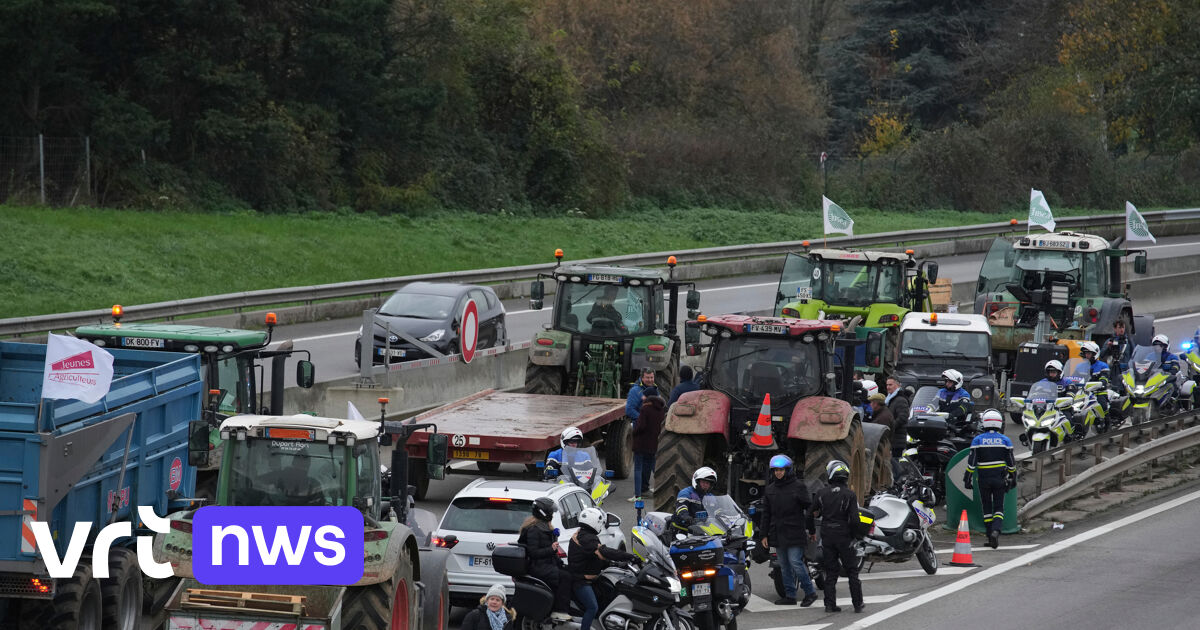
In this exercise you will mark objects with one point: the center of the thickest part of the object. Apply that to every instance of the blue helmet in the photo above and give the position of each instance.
(781, 461)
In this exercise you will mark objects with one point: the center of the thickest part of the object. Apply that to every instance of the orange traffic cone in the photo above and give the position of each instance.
(762, 430)
(962, 544)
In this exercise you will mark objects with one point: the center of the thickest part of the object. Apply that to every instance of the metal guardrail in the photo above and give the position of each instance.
(1072, 486)
(377, 287)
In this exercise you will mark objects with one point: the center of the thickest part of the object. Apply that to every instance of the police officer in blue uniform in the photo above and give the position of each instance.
(992, 460)
(689, 503)
(953, 398)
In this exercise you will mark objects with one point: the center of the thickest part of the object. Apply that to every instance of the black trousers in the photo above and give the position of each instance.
(837, 553)
(560, 582)
(992, 489)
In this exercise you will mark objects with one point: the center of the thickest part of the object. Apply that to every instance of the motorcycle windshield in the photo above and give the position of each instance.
(1078, 371)
(1042, 392)
(925, 400)
(581, 465)
(1145, 360)
(657, 552)
(724, 515)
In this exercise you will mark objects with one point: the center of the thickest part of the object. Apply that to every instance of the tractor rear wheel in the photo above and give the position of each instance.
(679, 455)
(544, 379)
(849, 449)
(618, 449)
(877, 448)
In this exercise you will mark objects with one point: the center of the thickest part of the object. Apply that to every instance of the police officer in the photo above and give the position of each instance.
(836, 504)
(992, 459)
(1168, 359)
(690, 501)
(1100, 371)
(1054, 373)
(953, 398)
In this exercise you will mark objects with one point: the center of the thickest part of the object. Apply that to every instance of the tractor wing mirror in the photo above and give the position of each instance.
(1139, 263)
(198, 436)
(693, 299)
(436, 455)
(691, 333)
(537, 291)
(306, 374)
(931, 271)
(874, 349)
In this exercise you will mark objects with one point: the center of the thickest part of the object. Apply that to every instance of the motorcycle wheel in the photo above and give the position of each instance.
(777, 577)
(525, 623)
(927, 557)
(705, 620)
(1040, 446)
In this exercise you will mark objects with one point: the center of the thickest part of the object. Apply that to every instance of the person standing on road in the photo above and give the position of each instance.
(687, 383)
(880, 414)
(645, 443)
(992, 460)
(541, 550)
(898, 403)
(785, 508)
(836, 504)
(491, 613)
(633, 402)
(1118, 348)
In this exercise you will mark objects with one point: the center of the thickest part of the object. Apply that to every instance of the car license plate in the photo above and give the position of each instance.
(770, 329)
(603, 277)
(395, 353)
(469, 454)
(700, 590)
(141, 342)
(481, 561)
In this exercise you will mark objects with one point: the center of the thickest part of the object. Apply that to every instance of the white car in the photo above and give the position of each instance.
(489, 513)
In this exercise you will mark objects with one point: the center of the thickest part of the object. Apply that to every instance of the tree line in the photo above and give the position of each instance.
(414, 105)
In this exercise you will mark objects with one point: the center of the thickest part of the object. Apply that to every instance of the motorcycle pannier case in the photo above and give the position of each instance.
(510, 560)
(531, 600)
(697, 553)
(926, 428)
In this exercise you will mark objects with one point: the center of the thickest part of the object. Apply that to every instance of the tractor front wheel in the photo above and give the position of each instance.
(679, 455)
(849, 449)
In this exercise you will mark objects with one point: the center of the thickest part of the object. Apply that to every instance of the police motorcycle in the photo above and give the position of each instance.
(1086, 411)
(934, 438)
(1189, 354)
(900, 531)
(1042, 413)
(713, 560)
(1149, 390)
(644, 597)
(581, 466)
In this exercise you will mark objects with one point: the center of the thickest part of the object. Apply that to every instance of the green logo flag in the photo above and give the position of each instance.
(1135, 225)
(1039, 210)
(836, 219)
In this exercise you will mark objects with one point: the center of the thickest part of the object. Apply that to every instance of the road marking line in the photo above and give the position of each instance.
(760, 605)
(908, 573)
(814, 626)
(1003, 548)
(1171, 319)
(1019, 561)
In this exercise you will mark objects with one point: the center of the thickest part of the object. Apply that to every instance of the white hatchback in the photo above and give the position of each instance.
(488, 513)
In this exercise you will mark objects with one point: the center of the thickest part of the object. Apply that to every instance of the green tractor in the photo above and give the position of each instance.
(609, 324)
(232, 362)
(878, 288)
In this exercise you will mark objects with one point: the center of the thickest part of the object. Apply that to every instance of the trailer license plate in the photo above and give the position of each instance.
(700, 590)
(768, 328)
(481, 561)
(469, 455)
(141, 342)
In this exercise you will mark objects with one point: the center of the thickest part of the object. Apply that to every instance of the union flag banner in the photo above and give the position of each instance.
(76, 369)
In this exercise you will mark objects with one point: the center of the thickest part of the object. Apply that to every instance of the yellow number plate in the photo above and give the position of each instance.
(469, 454)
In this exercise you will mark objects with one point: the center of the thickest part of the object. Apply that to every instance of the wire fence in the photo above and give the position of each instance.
(45, 171)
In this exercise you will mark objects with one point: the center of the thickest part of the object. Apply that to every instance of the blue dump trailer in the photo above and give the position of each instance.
(71, 462)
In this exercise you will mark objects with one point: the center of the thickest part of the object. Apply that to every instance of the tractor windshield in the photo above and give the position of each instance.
(938, 344)
(604, 310)
(286, 472)
(748, 368)
(839, 282)
(234, 376)
(1033, 269)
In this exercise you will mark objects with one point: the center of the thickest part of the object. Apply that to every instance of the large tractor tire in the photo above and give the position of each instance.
(545, 379)
(877, 447)
(78, 603)
(679, 455)
(849, 449)
(387, 605)
(618, 448)
(435, 610)
(121, 593)
(667, 378)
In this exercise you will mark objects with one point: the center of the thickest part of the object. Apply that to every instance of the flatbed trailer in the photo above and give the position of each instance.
(493, 428)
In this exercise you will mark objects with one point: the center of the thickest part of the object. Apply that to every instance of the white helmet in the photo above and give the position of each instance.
(704, 473)
(870, 387)
(953, 375)
(992, 419)
(569, 433)
(1054, 364)
(593, 518)
(1089, 346)
(1161, 339)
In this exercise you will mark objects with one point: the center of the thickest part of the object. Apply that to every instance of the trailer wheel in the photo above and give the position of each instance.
(121, 593)
(618, 447)
(77, 605)
(877, 448)
(849, 449)
(544, 379)
(679, 455)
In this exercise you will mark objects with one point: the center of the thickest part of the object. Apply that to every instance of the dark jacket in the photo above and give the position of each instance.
(649, 425)
(477, 618)
(883, 416)
(582, 560)
(784, 510)
(835, 504)
(901, 408)
(681, 389)
(537, 538)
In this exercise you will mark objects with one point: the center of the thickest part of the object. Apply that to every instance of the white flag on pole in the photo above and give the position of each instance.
(1039, 210)
(76, 369)
(352, 412)
(836, 219)
(1135, 225)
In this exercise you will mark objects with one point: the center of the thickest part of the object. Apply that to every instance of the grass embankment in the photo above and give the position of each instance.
(58, 260)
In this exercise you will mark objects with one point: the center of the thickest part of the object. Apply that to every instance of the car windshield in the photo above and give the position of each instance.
(1041, 392)
(945, 343)
(487, 515)
(583, 464)
(604, 310)
(286, 472)
(839, 282)
(748, 368)
(418, 306)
